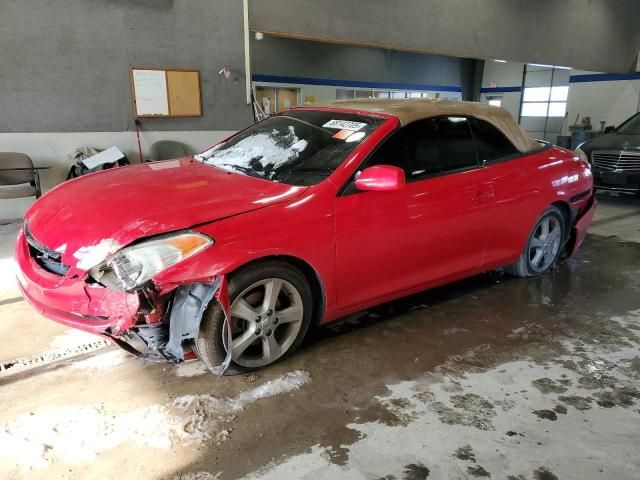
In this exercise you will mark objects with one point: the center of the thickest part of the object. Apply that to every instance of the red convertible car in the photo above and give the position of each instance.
(300, 219)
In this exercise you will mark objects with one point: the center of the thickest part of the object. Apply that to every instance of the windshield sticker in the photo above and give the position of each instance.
(343, 134)
(344, 125)
(355, 137)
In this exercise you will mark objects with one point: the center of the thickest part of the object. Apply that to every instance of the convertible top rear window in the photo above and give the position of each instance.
(299, 147)
(490, 142)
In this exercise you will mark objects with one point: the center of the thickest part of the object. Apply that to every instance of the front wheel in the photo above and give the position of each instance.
(271, 306)
(543, 246)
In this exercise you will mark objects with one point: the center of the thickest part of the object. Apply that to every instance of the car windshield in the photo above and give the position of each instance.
(631, 126)
(299, 147)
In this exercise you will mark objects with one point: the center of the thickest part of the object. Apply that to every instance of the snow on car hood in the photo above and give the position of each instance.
(91, 217)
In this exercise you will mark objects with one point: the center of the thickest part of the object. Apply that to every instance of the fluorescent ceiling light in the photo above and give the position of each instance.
(499, 61)
(548, 66)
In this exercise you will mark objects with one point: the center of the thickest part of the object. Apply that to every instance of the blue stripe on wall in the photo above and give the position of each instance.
(500, 89)
(603, 77)
(353, 83)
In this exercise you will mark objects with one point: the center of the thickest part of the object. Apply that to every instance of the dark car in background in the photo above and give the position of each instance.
(615, 157)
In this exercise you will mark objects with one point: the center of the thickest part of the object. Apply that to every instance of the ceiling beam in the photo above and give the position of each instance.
(598, 35)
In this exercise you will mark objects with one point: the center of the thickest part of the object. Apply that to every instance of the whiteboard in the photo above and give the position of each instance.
(150, 92)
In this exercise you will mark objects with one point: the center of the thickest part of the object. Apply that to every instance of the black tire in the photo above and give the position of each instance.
(523, 267)
(210, 347)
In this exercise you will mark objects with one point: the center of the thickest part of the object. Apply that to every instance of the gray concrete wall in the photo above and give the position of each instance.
(503, 75)
(299, 58)
(64, 64)
(596, 35)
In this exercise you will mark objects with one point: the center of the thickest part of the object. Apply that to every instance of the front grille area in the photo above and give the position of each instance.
(48, 259)
(621, 161)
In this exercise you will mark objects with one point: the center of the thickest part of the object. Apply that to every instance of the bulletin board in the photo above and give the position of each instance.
(158, 92)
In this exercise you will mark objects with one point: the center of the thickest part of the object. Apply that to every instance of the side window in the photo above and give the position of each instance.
(428, 147)
(446, 145)
(399, 149)
(491, 142)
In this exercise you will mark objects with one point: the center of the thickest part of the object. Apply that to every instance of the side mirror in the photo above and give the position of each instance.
(609, 129)
(380, 178)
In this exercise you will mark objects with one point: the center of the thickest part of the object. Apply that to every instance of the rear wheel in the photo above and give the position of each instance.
(544, 245)
(271, 306)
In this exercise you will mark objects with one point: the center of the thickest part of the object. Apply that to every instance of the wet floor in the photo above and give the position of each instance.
(490, 377)
(485, 326)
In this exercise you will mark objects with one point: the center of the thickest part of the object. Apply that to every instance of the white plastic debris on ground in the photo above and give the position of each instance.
(80, 432)
(269, 150)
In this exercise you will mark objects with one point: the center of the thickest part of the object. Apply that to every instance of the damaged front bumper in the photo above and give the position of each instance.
(145, 323)
(71, 301)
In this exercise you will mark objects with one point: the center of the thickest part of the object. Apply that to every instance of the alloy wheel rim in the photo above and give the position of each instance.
(266, 318)
(545, 243)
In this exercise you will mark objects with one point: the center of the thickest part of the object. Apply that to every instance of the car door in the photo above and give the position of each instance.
(432, 229)
(516, 190)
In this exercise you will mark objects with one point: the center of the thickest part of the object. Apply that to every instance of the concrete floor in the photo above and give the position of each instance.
(490, 377)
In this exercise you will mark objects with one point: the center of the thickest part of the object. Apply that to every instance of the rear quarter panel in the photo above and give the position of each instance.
(524, 187)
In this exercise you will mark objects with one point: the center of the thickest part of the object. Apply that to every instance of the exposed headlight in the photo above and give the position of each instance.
(581, 155)
(135, 265)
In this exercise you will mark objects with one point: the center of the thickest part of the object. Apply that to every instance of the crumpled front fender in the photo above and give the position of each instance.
(189, 304)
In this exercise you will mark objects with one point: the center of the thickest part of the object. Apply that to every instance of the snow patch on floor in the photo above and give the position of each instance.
(72, 338)
(8, 270)
(64, 347)
(286, 383)
(191, 369)
(103, 360)
(80, 432)
(197, 476)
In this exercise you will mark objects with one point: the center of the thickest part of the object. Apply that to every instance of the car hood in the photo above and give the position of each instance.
(613, 141)
(89, 218)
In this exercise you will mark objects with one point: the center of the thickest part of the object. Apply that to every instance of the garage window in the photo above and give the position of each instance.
(544, 101)
(348, 94)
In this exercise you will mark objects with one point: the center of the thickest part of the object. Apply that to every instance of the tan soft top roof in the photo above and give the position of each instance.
(410, 110)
